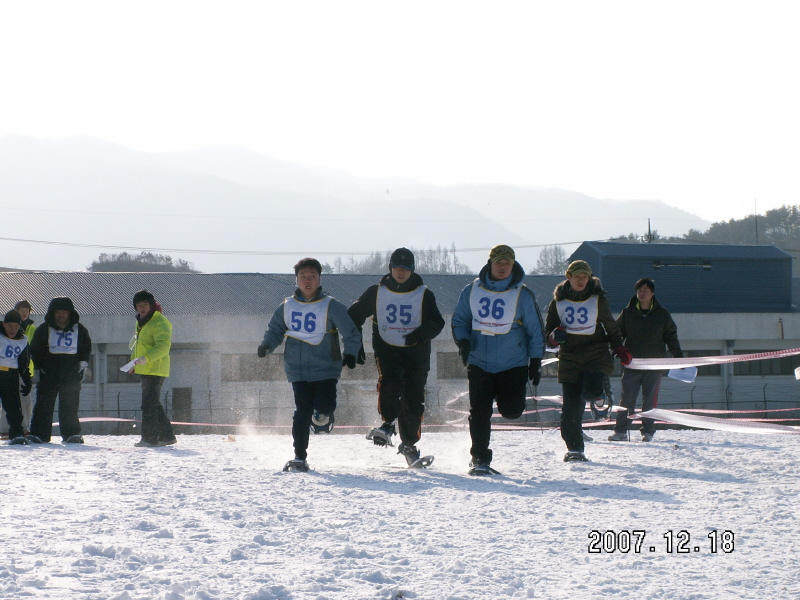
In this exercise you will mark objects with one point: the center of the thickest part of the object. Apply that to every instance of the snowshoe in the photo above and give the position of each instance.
(413, 458)
(382, 436)
(296, 464)
(477, 467)
(575, 456)
(18, 440)
(647, 437)
(168, 442)
(618, 437)
(145, 444)
(587, 438)
(321, 422)
(34, 439)
(74, 439)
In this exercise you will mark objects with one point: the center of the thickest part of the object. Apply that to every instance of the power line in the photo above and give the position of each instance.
(250, 252)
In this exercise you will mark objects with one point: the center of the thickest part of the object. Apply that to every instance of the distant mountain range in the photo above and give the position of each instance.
(91, 192)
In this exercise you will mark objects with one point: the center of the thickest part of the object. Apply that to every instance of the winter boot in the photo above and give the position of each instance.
(296, 464)
(574, 456)
(382, 436)
(618, 436)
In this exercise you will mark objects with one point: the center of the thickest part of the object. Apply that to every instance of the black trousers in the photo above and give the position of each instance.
(9, 396)
(632, 381)
(66, 387)
(155, 424)
(575, 395)
(505, 387)
(401, 394)
(308, 397)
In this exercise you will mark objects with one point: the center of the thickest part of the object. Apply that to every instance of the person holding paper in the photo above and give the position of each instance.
(61, 349)
(649, 331)
(150, 348)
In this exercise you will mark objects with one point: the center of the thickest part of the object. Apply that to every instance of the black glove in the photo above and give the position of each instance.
(463, 350)
(349, 361)
(26, 388)
(535, 370)
(262, 351)
(557, 337)
(362, 356)
(415, 337)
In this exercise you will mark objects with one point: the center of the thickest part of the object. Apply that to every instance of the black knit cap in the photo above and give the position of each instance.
(402, 257)
(12, 316)
(143, 296)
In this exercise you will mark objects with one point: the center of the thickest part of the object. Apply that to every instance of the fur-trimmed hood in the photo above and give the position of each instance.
(564, 290)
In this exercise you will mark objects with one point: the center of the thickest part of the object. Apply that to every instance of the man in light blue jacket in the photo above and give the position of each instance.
(311, 322)
(498, 329)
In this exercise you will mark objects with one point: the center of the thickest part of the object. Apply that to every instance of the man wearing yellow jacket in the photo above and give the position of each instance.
(150, 352)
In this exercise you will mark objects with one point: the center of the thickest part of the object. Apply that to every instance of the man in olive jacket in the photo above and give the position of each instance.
(648, 330)
(150, 351)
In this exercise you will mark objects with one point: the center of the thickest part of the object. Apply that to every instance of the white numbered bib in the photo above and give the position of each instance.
(63, 342)
(306, 321)
(10, 351)
(493, 312)
(398, 314)
(578, 318)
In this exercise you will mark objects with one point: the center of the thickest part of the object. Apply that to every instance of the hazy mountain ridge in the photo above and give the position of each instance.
(88, 191)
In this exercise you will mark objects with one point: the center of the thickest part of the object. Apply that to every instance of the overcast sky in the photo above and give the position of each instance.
(692, 103)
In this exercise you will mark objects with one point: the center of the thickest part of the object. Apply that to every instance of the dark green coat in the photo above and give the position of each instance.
(649, 335)
(584, 353)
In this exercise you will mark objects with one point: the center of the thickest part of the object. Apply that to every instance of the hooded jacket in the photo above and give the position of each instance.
(648, 335)
(11, 378)
(584, 353)
(60, 365)
(153, 341)
(497, 353)
(432, 320)
(308, 362)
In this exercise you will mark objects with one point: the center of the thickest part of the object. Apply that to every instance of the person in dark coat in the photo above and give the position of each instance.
(60, 349)
(648, 330)
(580, 323)
(405, 318)
(14, 359)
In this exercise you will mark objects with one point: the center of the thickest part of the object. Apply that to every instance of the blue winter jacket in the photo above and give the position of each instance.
(306, 362)
(496, 353)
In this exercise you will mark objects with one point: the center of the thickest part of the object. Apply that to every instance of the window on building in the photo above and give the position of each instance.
(113, 373)
(249, 367)
(774, 366)
(709, 371)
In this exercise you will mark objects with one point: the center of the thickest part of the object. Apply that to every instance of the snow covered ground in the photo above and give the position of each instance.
(214, 517)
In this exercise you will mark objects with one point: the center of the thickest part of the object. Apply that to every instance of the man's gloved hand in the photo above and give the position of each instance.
(415, 337)
(535, 371)
(82, 368)
(349, 361)
(464, 350)
(362, 356)
(624, 355)
(262, 351)
(26, 388)
(557, 337)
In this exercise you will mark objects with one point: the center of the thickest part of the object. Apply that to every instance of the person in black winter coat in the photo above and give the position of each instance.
(648, 330)
(60, 349)
(14, 359)
(405, 318)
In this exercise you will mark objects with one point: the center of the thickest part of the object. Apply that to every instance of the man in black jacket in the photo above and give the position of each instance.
(405, 320)
(60, 349)
(648, 330)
